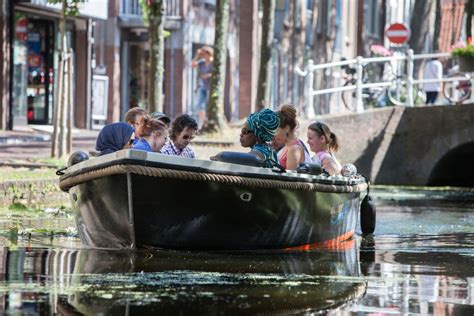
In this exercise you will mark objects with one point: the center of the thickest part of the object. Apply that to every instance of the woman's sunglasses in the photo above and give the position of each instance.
(186, 137)
(246, 131)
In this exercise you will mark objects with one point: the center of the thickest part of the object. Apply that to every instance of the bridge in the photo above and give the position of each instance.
(429, 145)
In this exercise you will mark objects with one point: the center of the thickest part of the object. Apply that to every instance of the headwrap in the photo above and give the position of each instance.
(264, 124)
(113, 137)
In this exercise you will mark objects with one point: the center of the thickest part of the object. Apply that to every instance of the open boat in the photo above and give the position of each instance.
(133, 198)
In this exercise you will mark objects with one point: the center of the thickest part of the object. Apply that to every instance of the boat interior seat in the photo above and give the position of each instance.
(238, 158)
(309, 168)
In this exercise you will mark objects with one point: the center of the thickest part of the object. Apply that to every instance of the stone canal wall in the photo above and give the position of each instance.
(409, 145)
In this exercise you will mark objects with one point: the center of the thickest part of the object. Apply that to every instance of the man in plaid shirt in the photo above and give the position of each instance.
(182, 132)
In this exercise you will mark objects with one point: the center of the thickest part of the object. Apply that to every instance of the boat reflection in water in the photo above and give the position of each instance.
(119, 282)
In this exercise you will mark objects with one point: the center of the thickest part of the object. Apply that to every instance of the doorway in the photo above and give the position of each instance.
(33, 70)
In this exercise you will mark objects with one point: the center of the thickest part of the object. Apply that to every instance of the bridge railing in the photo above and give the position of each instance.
(359, 63)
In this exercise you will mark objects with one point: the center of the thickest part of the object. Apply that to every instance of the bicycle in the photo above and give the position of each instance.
(371, 97)
(397, 93)
(458, 87)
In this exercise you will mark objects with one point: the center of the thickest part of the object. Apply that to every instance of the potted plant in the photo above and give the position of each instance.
(465, 56)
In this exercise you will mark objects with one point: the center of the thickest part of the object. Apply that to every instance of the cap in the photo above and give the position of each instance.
(160, 116)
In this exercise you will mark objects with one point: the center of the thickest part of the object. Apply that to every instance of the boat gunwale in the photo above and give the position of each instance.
(124, 166)
(138, 157)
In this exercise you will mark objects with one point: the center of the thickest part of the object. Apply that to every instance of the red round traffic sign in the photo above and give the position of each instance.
(21, 29)
(398, 33)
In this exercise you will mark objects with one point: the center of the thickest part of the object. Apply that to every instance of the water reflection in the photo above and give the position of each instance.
(418, 262)
(117, 282)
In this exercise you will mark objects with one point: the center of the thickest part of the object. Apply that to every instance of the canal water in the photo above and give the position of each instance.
(419, 261)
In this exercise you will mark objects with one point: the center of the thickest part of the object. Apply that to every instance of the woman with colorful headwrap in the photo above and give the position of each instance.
(258, 132)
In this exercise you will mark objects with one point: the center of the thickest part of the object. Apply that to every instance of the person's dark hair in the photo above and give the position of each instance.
(180, 123)
(130, 116)
(287, 114)
(323, 130)
(148, 125)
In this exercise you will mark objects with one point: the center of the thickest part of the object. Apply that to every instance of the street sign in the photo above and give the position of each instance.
(398, 33)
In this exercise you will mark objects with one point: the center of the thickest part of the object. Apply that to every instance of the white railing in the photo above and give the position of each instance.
(359, 63)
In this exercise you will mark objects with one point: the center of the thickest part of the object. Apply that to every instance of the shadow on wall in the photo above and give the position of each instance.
(455, 168)
(365, 161)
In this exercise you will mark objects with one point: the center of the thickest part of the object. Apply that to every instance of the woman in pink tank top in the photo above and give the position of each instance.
(293, 151)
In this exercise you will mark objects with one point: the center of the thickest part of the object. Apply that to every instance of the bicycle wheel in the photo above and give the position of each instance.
(458, 89)
(349, 97)
(397, 93)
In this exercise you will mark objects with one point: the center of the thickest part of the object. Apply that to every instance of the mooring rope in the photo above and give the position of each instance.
(67, 182)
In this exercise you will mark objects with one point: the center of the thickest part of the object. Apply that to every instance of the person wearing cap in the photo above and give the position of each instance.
(160, 116)
(182, 132)
(257, 133)
(203, 62)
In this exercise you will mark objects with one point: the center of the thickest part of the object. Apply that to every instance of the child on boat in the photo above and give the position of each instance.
(324, 143)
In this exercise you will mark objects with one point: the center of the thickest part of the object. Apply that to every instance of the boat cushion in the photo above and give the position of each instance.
(238, 158)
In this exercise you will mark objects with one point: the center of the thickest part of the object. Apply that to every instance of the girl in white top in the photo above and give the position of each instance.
(324, 144)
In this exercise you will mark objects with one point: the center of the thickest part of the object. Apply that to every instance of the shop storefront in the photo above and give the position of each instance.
(33, 65)
(32, 61)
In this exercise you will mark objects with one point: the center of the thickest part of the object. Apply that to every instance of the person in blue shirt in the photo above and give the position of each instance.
(203, 62)
(154, 134)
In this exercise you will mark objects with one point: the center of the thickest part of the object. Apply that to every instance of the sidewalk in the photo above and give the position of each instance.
(34, 141)
(40, 133)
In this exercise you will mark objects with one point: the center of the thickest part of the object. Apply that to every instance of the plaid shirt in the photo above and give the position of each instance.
(170, 149)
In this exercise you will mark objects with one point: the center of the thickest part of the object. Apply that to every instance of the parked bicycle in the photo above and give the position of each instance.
(371, 97)
(397, 93)
(394, 93)
(458, 87)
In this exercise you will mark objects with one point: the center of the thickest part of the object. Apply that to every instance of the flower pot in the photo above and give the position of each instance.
(466, 63)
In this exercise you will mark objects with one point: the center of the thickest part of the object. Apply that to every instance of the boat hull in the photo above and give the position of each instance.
(130, 210)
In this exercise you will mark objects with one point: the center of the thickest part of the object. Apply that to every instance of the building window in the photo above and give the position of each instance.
(372, 10)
